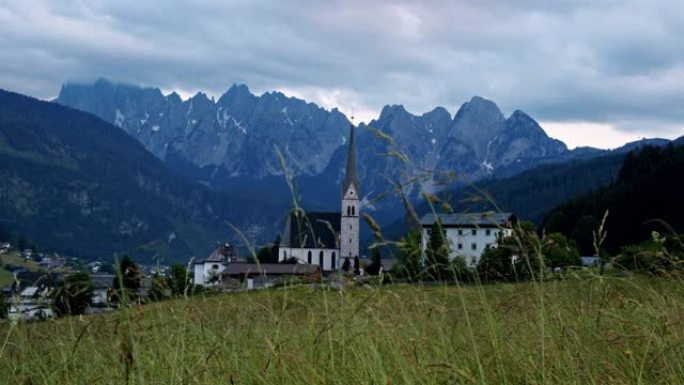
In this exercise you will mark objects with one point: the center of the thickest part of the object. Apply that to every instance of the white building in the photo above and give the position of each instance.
(207, 271)
(469, 234)
(32, 304)
(327, 239)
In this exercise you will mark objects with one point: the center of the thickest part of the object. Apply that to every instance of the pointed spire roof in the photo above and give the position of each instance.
(350, 177)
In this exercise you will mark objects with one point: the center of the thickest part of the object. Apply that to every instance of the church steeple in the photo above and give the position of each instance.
(350, 178)
(351, 209)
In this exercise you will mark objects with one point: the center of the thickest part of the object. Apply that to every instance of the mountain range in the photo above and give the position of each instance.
(186, 168)
(237, 135)
(248, 142)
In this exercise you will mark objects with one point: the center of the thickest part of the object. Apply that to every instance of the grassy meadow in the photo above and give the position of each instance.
(595, 330)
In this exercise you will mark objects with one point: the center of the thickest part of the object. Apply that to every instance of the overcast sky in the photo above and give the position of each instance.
(593, 72)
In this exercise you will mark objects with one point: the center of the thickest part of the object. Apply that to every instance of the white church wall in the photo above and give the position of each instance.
(302, 256)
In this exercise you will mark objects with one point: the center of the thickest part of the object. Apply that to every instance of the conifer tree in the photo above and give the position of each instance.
(376, 264)
(437, 253)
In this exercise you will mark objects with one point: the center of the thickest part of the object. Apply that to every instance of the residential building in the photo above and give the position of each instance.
(469, 234)
(207, 272)
(33, 303)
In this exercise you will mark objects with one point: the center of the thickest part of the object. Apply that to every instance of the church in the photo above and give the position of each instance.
(327, 239)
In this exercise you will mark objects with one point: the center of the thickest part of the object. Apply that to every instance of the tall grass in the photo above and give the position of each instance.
(598, 330)
(589, 330)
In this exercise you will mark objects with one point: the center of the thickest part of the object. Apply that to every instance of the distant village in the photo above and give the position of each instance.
(314, 248)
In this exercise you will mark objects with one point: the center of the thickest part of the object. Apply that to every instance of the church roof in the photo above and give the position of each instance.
(312, 230)
(350, 177)
(484, 219)
(238, 269)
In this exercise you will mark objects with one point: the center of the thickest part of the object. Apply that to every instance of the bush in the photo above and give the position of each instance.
(73, 295)
(409, 266)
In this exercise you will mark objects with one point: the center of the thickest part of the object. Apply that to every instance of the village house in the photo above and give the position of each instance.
(207, 272)
(327, 239)
(26, 254)
(469, 234)
(101, 284)
(33, 303)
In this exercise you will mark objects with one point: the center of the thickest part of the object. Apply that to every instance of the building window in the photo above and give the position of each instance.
(488, 232)
(350, 241)
(350, 227)
(348, 211)
(460, 232)
(332, 263)
(353, 210)
(320, 259)
(309, 257)
(473, 231)
(460, 246)
(473, 246)
(284, 255)
(214, 267)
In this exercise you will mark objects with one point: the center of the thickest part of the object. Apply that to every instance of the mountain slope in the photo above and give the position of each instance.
(650, 186)
(74, 183)
(529, 194)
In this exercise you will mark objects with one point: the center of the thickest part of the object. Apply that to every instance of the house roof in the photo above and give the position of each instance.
(30, 291)
(484, 219)
(102, 281)
(312, 230)
(221, 253)
(239, 268)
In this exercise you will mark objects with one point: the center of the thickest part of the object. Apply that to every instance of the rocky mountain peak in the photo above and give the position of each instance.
(392, 111)
(477, 123)
(523, 124)
(479, 106)
(201, 98)
(174, 98)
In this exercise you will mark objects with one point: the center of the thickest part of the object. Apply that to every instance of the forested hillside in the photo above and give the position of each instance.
(75, 184)
(529, 194)
(648, 192)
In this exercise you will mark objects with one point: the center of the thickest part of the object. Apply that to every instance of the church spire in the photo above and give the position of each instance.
(350, 176)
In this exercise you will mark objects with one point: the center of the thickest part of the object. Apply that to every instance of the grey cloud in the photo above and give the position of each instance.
(617, 62)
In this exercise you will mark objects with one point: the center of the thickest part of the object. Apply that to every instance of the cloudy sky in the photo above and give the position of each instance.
(593, 72)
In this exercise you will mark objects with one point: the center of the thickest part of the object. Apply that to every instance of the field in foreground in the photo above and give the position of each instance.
(590, 331)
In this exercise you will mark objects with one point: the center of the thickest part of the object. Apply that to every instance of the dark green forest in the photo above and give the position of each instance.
(647, 196)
